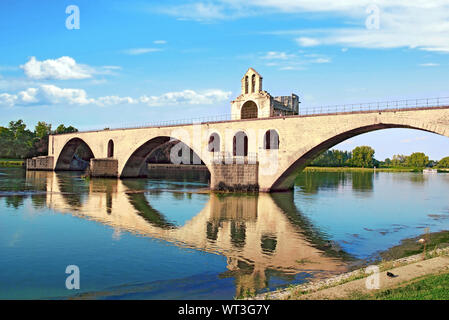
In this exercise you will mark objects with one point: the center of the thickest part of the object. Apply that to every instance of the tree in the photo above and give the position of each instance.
(6, 138)
(332, 158)
(417, 160)
(42, 130)
(398, 160)
(21, 143)
(363, 156)
(63, 129)
(443, 163)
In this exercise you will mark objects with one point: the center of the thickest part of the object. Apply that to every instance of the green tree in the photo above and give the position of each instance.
(42, 130)
(417, 160)
(63, 129)
(6, 139)
(363, 156)
(22, 139)
(332, 158)
(443, 163)
(399, 160)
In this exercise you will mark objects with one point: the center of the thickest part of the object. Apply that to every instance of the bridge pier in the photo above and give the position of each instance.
(105, 167)
(44, 163)
(235, 177)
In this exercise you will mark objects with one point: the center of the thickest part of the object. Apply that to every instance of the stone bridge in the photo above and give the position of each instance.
(265, 153)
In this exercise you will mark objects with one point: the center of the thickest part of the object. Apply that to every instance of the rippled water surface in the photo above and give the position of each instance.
(165, 238)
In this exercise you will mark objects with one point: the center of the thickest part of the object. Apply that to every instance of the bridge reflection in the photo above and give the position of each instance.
(260, 235)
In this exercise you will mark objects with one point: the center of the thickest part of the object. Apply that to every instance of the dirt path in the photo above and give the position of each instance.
(343, 287)
(404, 274)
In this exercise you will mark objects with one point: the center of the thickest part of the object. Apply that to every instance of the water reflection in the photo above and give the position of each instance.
(312, 182)
(261, 236)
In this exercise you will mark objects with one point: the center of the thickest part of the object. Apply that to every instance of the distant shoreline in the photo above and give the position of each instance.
(354, 169)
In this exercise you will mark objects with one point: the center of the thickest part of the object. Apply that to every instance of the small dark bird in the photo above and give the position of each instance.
(391, 275)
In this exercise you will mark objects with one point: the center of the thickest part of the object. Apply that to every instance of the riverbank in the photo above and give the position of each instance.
(421, 266)
(11, 163)
(353, 169)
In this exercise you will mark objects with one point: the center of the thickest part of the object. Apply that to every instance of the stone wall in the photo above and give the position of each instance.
(235, 177)
(106, 167)
(40, 163)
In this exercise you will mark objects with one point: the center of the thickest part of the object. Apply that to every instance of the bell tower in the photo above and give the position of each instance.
(251, 82)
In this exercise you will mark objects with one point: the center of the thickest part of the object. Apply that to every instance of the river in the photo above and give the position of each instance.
(166, 238)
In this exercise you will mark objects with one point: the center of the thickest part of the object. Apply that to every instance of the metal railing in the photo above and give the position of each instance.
(303, 111)
(376, 106)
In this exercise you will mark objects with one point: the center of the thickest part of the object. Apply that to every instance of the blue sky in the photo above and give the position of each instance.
(133, 62)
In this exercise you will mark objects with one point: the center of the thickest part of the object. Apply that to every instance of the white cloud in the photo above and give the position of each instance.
(430, 64)
(198, 11)
(307, 42)
(420, 24)
(63, 68)
(275, 55)
(159, 41)
(187, 97)
(138, 51)
(289, 60)
(52, 95)
(420, 138)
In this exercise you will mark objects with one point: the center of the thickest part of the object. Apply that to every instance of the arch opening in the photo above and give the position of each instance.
(249, 110)
(240, 144)
(75, 156)
(214, 143)
(171, 153)
(286, 180)
(271, 140)
(110, 149)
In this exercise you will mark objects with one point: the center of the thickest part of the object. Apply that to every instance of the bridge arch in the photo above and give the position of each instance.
(67, 154)
(304, 155)
(135, 162)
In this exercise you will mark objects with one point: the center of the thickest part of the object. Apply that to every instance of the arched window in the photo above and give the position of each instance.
(253, 83)
(246, 84)
(110, 149)
(240, 144)
(271, 139)
(249, 110)
(214, 143)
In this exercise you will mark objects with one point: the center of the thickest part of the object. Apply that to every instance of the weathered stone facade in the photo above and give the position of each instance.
(253, 102)
(106, 167)
(40, 163)
(235, 177)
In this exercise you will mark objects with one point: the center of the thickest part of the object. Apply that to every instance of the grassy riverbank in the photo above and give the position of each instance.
(7, 163)
(430, 287)
(422, 269)
(353, 169)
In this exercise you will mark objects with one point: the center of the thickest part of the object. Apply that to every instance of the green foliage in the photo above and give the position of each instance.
(417, 160)
(17, 142)
(363, 156)
(42, 130)
(63, 129)
(443, 163)
(332, 158)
